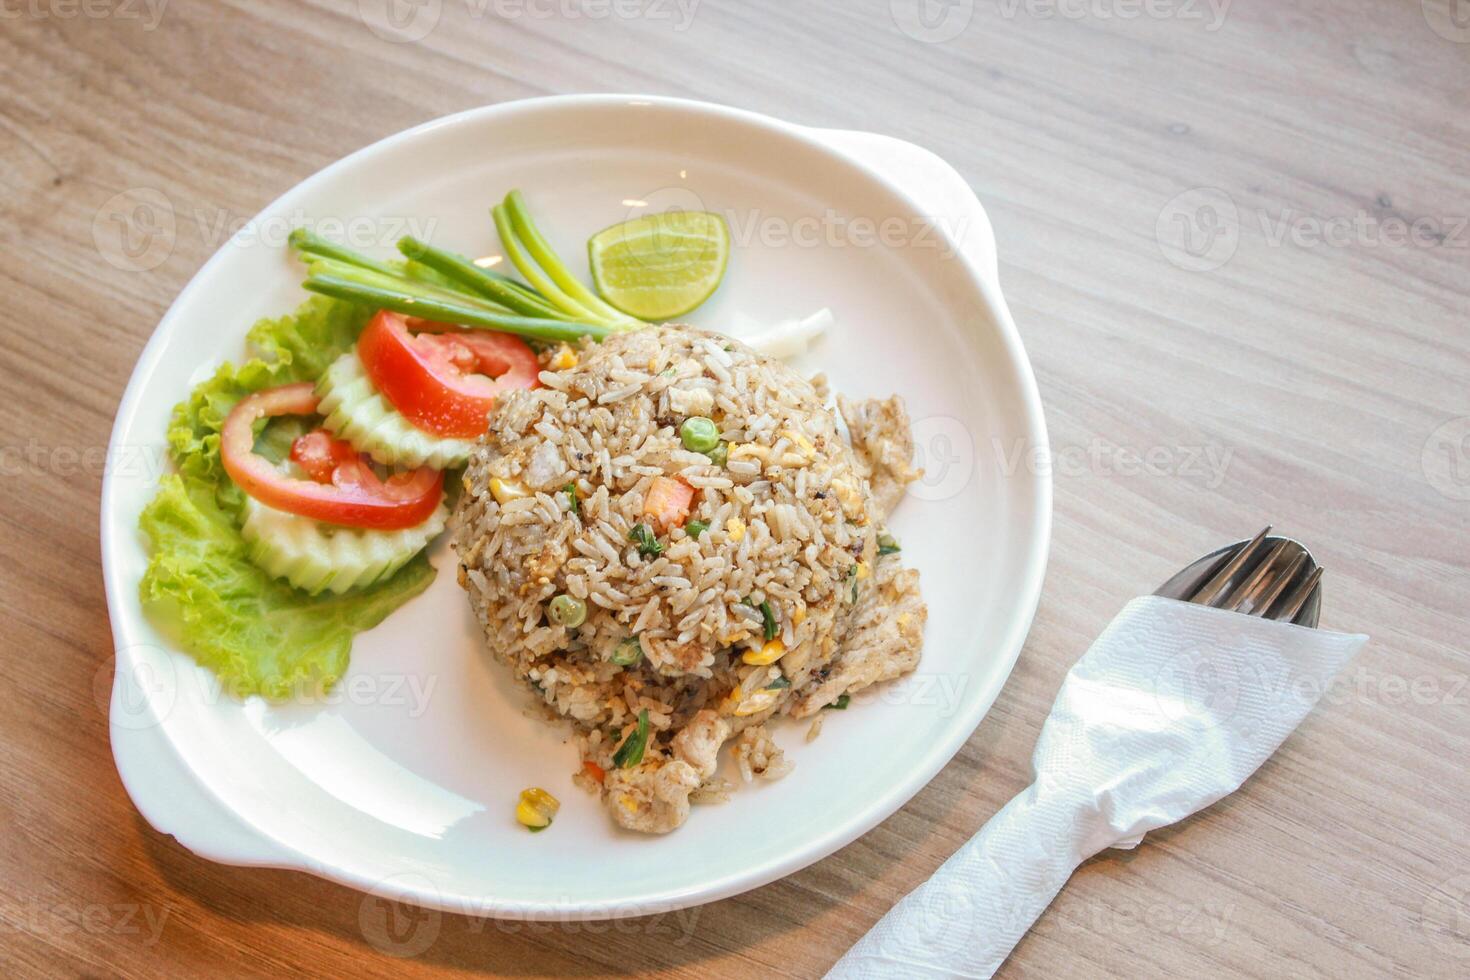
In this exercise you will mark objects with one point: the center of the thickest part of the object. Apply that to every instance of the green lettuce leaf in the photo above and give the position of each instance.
(299, 347)
(258, 633)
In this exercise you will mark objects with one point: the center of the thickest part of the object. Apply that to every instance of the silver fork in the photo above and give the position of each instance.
(1267, 576)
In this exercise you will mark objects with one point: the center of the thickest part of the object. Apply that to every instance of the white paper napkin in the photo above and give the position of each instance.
(1171, 709)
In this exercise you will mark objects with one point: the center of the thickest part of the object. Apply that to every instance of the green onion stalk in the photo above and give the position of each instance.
(491, 285)
(534, 257)
(454, 295)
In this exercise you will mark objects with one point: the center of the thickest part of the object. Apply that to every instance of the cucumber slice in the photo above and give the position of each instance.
(356, 412)
(320, 557)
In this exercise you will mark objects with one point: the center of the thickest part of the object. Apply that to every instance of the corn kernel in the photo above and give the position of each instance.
(767, 654)
(800, 440)
(536, 808)
(757, 702)
(850, 499)
(735, 527)
(863, 571)
(505, 491)
(564, 359)
(752, 449)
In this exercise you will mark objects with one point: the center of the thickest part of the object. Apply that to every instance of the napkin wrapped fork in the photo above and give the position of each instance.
(1172, 708)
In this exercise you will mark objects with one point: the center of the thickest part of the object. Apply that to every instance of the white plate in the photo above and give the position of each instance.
(404, 784)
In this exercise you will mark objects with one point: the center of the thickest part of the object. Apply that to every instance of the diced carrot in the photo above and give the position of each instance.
(594, 770)
(668, 501)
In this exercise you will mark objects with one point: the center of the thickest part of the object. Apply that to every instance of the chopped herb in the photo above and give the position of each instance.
(628, 652)
(648, 546)
(778, 684)
(769, 619)
(840, 704)
(630, 753)
(888, 544)
(576, 503)
(769, 629)
(695, 528)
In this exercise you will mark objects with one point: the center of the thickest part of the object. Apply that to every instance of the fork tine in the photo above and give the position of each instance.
(1299, 596)
(1266, 601)
(1242, 598)
(1212, 589)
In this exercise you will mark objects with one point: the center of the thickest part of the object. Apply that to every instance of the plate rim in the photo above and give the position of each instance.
(276, 853)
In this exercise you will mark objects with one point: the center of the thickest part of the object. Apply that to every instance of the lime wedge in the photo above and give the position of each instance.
(660, 266)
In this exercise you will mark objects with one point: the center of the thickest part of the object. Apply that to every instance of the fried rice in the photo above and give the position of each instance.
(765, 596)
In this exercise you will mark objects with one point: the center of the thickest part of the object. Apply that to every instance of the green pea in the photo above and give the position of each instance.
(628, 652)
(699, 434)
(695, 528)
(568, 611)
(720, 455)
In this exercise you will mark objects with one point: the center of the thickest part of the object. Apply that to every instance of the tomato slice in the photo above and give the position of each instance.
(343, 489)
(319, 453)
(444, 380)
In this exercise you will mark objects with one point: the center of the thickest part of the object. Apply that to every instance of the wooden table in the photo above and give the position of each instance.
(1299, 316)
